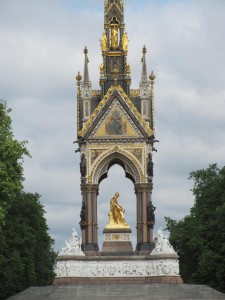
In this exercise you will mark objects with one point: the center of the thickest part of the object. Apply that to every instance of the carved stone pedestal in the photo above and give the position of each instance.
(101, 270)
(117, 242)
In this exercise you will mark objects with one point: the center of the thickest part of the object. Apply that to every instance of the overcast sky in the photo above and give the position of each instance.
(41, 52)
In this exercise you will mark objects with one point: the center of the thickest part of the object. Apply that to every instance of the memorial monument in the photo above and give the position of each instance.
(115, 125)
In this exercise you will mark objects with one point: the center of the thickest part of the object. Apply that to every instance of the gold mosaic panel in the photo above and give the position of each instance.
(116, 125)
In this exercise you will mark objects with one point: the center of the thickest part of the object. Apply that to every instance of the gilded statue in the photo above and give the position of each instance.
(116, 213)
(128, 69)
(125, 41)
(102, 68)
(104, 42)
(114, 37)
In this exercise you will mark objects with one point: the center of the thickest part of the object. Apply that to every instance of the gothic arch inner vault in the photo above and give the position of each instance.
(130, 166)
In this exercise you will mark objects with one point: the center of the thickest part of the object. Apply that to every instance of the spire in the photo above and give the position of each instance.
(115, 69)
(86, 84)
(144, 83)
(86, 61)
(144, 67)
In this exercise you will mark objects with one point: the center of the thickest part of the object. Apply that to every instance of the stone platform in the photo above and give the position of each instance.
(121, 292)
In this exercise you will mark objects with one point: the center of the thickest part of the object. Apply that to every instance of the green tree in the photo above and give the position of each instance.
(27, 258)
(26, 254)
(199, 238)
(11, 154)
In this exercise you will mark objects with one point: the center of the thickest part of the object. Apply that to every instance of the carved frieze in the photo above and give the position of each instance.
(118, 268)
(117, 237)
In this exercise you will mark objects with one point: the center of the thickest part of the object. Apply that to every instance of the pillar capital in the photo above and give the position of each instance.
(89, 187)
(143, 187)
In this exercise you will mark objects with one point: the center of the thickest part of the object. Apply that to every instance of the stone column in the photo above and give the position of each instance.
(144, 228)
(94, 214)
(139, 213)
(90, 227)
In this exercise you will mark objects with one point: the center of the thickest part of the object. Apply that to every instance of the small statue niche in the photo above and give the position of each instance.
(150, 166)
(114, 34)
(104, 42)
(151, 213)
(83, 167)
(82, 223)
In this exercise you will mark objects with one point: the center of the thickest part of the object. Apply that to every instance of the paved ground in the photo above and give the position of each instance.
(120, 292)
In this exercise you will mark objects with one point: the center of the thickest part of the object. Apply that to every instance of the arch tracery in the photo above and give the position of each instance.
(122, 157)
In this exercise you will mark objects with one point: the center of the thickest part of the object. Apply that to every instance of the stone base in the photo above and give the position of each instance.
(154, 268)
(90, 249)
(118, 280)
(144, 248)
(117, 242)
(117, 248)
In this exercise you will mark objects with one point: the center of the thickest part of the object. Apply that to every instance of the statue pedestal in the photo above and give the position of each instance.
(82, 270)
(117, 241)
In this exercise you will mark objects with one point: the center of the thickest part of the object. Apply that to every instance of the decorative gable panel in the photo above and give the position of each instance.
(116, 124)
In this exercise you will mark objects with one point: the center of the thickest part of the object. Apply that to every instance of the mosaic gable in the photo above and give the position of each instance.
(116, 124)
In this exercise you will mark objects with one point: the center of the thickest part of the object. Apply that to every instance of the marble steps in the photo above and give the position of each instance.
(120, 292)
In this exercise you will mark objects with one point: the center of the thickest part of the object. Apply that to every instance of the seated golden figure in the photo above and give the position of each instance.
(116, 213)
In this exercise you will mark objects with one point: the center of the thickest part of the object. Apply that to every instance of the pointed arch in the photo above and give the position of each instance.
(128, 162)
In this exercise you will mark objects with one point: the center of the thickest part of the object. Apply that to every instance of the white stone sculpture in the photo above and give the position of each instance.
(162, 245)
(73, 246)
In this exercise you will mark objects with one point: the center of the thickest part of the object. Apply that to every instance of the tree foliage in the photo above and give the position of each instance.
(26, 254)
(11, 154)
(199, 238)
(27, 257)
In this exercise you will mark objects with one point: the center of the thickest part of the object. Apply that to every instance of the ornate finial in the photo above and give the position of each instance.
(144, 50)
(85, 50)
(78, 78)
(152, 77)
